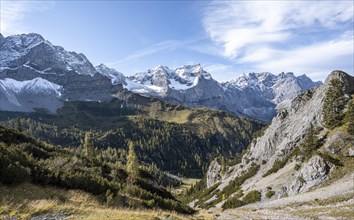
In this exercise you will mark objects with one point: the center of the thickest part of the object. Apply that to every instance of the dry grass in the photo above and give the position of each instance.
(179, 117)
(27, 200)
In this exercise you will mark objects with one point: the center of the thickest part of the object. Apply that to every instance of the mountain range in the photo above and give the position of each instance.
(128, 140)
(34, 74)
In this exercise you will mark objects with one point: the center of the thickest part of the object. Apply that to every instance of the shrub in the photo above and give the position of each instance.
(233, 202)
(251, 197)
(297, 166)
(270, 194)
(330, 159)
(278, 164)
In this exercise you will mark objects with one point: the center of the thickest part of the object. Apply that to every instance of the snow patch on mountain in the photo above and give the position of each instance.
(29, 95)
(161, 79)
(36, 85)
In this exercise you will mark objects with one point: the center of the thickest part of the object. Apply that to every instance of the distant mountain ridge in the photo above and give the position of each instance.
(29, 56)
(255, 95)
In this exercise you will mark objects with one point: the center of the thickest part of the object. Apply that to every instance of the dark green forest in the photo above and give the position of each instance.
(26, 159)
(170, 137)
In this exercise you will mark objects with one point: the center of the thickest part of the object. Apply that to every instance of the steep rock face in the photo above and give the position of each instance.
(213, 174)
(312, 174)
(28, 56)
(286, 132)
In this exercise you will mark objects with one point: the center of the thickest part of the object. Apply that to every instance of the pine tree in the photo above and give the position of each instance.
(19, 125)
(109, 197)
(349, 116)
(334, 104)
(88, 148)
(311, 142)
(132, 161)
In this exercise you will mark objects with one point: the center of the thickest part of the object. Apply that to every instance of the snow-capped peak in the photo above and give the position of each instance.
(188, 71)
(115, 76)
(36, 52)
(160, 68)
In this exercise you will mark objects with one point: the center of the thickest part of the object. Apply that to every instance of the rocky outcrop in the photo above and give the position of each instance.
(213, 174)
(286, 132)
(311, 174)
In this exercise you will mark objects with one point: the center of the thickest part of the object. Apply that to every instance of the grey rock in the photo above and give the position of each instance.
(312, 174)
(213, 174)
(351, 152)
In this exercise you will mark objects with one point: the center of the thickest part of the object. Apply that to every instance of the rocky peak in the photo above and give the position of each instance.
(345, 78)
(306, 83)
(2, 39)
(33, 51)
(115, 76)
(160, 69)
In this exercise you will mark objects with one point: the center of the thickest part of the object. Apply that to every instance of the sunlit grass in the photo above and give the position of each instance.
(27, 200)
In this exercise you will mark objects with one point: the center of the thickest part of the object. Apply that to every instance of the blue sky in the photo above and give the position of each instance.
(227, 37)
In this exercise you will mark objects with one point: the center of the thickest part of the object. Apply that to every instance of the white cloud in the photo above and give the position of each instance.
(13, 14)
(270, 35)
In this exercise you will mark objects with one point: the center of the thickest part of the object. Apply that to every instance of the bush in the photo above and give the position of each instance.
(270, 194)
(235, 184)
(297, 166)
(252, 197)
(233, 202)
(330, 159)
(278, 164)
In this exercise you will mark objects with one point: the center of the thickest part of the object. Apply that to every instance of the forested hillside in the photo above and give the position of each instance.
(171, 137)
(24, 159)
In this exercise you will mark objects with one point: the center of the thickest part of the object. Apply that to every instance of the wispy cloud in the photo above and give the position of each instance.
(276, 35)
(220, 72)
(138, 55)
(13, 14)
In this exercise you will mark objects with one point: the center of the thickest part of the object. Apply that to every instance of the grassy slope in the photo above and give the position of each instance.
(28, 200)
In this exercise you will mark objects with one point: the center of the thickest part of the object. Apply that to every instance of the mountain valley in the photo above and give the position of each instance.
(87, 142)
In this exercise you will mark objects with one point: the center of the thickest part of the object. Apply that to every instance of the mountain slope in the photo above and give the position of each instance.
(24, 159)
(295, 154)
